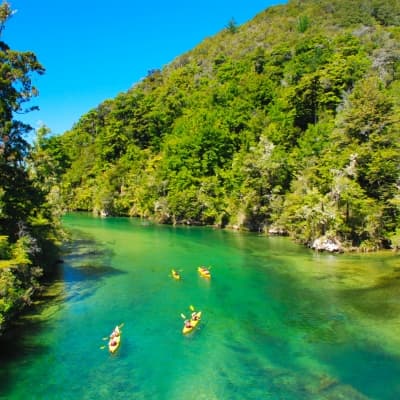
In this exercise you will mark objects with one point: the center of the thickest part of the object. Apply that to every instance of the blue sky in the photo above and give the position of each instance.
(94, 49)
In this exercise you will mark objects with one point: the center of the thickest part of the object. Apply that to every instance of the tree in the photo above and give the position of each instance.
(258, 126)
(369, 110)
(16, 69)
(26, 222)
(303, 22)
(232, 26)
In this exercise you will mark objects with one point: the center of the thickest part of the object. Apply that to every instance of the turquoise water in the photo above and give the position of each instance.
(279, 321)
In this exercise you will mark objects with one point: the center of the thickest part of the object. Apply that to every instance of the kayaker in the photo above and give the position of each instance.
(195, 317)
(115, 332)
(188, 324)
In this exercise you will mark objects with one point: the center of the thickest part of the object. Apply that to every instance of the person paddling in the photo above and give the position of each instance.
(188, 324)
(205, 270)
(115, 333)
(195, 316)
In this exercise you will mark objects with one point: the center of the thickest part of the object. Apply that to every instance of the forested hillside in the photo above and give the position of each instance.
(289, 124)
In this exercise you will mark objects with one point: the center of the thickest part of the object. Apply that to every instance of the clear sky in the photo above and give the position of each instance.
(94, 49)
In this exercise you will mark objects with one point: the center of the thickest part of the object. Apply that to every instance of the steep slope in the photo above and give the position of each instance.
(287, 123)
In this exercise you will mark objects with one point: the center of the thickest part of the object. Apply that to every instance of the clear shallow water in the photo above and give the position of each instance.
(279, 321)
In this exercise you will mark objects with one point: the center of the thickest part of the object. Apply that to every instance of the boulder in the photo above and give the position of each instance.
(324, 243)
(277, 231)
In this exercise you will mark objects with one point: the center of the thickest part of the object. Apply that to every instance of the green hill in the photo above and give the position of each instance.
(288, 123)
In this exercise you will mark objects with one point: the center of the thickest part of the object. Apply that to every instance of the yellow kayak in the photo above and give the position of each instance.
(175, 275)
(115, 340)
(192, 324)
(114, 343)
(204, 272)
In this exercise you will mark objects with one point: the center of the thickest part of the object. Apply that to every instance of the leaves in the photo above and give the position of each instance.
(289, 121)
(27, 225)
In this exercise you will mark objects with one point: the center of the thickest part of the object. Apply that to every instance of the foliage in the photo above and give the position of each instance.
(232, 26)
(288, 121)
(303, 23)
(27, 224)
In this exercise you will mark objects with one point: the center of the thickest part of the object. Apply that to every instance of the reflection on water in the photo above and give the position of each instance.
(279, 321)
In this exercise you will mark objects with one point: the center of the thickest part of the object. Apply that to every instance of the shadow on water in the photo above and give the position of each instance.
(17, 344)
(380, 300)
(86, 248)
(278, 381)
(86, 263)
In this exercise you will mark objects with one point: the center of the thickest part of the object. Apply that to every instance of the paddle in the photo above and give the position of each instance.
(184, 317)
(191, 308)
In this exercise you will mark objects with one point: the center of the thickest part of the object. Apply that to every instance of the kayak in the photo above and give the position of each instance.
(193, 324)
(115, 339)
(175, 275)
(113, 344)
(204, 272)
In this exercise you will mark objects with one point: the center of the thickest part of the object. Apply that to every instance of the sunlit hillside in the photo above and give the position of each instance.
(287, 124)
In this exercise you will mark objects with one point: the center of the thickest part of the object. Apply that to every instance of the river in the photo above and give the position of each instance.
(279, 321)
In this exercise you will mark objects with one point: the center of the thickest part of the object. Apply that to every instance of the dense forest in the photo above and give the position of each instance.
(29, 228)
(287, 124)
